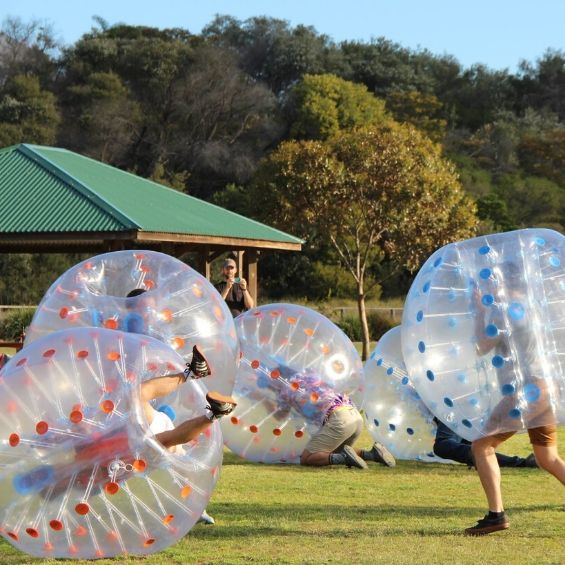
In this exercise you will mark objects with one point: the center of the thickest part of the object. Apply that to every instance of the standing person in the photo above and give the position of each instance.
(448, 445)
(541, 424)
(234, 289)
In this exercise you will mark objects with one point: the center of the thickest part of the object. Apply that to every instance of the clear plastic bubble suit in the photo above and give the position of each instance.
(180, 307)
(483, 332)
(394, 413)
(294, 361)
(80, 474)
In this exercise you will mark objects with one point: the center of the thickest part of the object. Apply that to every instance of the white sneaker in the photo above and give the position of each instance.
(205, 518)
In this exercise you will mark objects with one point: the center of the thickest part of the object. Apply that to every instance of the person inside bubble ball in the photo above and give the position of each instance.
(515, 339)
(340, 423)
(448, 445)
(234, 290)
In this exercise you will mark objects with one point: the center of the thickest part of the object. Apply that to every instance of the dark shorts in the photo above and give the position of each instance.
(544, 436)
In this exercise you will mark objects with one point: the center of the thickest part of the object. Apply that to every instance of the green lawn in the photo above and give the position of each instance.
(412, 514)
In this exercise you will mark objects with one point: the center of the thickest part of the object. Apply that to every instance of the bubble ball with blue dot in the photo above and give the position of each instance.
(483, 332)
(394, 413)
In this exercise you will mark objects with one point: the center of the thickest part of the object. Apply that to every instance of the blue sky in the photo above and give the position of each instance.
(498, 33)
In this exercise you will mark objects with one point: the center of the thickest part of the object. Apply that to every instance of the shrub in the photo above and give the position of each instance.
(378, 326)
(12, 326)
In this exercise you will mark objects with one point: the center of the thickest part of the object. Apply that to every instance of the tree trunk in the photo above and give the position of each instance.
(363, 320)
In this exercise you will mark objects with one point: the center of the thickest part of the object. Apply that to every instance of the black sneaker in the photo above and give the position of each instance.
(488, 526)
(198, 367)
(352, 459)
(219, 404)
(382, 455)
(530, 461)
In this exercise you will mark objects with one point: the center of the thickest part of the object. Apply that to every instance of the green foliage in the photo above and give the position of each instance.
(14, 325)
(323, 105)
(27, 113)
(378, 326)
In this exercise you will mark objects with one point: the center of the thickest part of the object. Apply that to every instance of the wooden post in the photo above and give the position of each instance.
(251, 259)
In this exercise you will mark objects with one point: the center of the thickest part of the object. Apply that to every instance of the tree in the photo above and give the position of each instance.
(323, 105)
(27, 113)
(375, 194)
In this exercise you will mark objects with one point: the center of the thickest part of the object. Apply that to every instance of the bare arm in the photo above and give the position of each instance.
(247, 298)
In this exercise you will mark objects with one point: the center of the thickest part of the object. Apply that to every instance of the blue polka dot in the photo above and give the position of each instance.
(379, 361)
(491, 330)
(405, 380)
(462, 378)
(376, 422)
(497, 361)
(516, 311)
(392, 427)
(451, 296)
(426, 287)
(389, 371)
(466, 423)
(473, 401)
(487, 300)
(416, 396)
(438, 262)
(562, 285)
(554, 261)
(421, 347)
(419, 316)
(532, 392)
(514, 413)
(485, 274)
(373, 355)
(410, 431)
(448, 402)
(484, 250)
(540, 241)
(508, 389)
(452, 322)
(430, 375)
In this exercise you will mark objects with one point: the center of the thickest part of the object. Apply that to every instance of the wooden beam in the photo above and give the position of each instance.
(250, 270)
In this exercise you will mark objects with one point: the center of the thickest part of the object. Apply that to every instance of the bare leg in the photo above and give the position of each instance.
(183, 433)
(548, 459)
(154, 388)
(318, 459)
(484, 452)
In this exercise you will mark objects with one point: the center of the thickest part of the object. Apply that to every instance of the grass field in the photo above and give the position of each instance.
(414, 513)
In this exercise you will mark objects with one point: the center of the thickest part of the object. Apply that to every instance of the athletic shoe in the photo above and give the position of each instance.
(198, 367)
(205, 518)
(219, 404)
(530, 461)
(488, 525)
(352, 459)
(382, 455)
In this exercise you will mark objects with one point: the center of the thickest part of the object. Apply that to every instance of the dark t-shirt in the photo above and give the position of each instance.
(234, 298)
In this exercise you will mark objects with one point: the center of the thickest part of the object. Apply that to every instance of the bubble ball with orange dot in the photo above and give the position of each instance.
(483, 332)
(81, 475)
(179, 307)
(294, 361)
(394, 413)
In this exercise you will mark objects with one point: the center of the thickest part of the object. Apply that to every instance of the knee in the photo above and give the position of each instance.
(482, 448)
(441, 449)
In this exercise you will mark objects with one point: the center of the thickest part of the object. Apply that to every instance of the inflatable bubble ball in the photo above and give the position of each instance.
(394, 413)
(144, 292)
(294, 362)
(81, 474)
(483, 332)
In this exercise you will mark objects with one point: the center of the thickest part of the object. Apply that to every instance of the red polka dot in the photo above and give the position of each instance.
(63, 312)
(49, 353)
(13, 535)
(255, 364)
(299, 433)
(277, 432)
(107, 406)
(275, 374)
(234, 420)
(14, 440)
(56, 525)
(253, 429)
(111, 488)
(41, 427)
(111, 324)
(82, 354)
(21, 362)
(76, 416)
(32, 532)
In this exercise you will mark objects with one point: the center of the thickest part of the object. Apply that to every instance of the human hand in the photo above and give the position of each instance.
(243, 284)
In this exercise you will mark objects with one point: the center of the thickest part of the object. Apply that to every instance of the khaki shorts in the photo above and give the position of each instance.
(544, 436)
(343, 427)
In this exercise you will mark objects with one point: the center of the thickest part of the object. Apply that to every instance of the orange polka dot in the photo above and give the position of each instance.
(291, 320)
(82, 508)
(111, 487)
(197, 291)
(111, 324)
(76, 416)
(309, 332)
(148, 542)
(255, 364)
(139, 465)
(325, 349)
(185, 491)
(275, 374)
(234, 420)
(177, 343)
(107, 406)
(81, 531)
(314, 397)
(145, 269)
(168, 518)
(56, 525)
(12, 406)
(113, 356)
(167, 314)
(149, 284)
(82, 354)
(295, 386)
(41, 427)
(275, 313)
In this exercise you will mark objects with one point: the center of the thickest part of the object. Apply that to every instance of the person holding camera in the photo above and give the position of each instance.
(234, 289)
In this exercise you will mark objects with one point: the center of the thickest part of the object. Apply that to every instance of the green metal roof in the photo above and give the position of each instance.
(47, 189)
